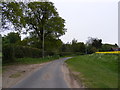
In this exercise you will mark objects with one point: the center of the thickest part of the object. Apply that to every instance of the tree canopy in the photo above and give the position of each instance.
(93, 45)
(40, 19)
(35, 17)
(11, 38)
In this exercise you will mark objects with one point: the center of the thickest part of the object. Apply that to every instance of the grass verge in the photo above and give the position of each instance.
(0, 54)
(32, 60)
(15, 75)
(96, 70)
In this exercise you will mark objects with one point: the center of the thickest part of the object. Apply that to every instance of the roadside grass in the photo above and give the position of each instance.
(0, 54)
(96, 70)
(31, 60)
(15, 75)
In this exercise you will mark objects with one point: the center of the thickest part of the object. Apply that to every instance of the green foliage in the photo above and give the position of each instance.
(107, 47)
(36, 17)
(74, 48)
(31, 42)
(66, 53)
(0, 54)
(27, 60)
(11, 52)
(15, 75)
(97, 43)
(66, 48)
(55, 26)
(53, 45)
(96, 70)
(90, 49)
(11, 38)
(24, 51)
(93, 45)
(44, 17)
(70, 53)
(8, 53)
(78, 47)
(12, 12)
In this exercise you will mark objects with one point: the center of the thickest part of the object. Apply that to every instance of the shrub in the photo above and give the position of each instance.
(10, 52)
(66, 53)
(19, 53)
(25, 51)
(50, 53)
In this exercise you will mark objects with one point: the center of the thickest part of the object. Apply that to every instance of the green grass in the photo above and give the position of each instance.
(0, 54)
(31, 60)
(15, 75)
(96, 70)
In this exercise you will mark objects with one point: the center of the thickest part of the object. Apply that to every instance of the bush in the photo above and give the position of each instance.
(25, 51)
(49, 53)
(36, 53)
(10, 52)
(79, 53)
(66, 53)
(19, 53)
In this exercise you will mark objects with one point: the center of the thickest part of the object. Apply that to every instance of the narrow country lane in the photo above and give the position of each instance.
(49, 76)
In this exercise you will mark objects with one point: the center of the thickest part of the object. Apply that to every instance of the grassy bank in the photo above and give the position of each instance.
(96, 70)
(0, 54)
(31, 60)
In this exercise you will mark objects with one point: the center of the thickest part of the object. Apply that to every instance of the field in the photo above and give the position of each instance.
(95, 70)
(110, 52)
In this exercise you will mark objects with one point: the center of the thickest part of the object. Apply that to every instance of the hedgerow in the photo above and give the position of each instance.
(10, 52)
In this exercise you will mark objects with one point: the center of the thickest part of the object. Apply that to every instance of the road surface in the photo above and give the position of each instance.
(49, 76)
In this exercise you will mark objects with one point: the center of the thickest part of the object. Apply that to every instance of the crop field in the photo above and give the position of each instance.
(112, 52)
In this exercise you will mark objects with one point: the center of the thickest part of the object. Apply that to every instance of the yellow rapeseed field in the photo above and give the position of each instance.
(112, 52)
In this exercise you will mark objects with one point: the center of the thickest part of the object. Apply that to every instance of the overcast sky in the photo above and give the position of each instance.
(89, 18)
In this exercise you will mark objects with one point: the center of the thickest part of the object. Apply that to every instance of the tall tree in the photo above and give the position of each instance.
(93, 44)
(41, 18)
(97, 43)
(74, 45)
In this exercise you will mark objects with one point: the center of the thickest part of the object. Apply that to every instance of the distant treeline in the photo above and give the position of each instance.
(14, 47)
(45, 26)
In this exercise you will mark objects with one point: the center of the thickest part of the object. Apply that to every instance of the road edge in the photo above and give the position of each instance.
(69, 78)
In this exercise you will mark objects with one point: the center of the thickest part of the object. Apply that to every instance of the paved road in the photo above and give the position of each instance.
(49, 76)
